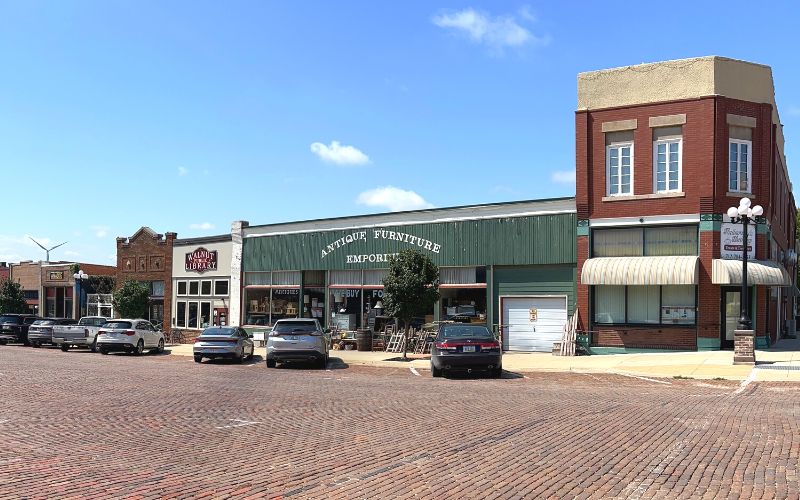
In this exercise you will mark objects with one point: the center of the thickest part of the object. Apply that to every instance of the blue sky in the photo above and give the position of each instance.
(185, 116)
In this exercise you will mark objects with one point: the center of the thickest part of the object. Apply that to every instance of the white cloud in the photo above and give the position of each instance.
(339, 154)
(563, 176)
(395, 199)
(495, 32)
(100, 231)
(183, 171)
(205, 226)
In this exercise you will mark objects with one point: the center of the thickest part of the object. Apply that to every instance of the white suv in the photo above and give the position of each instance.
(129, 335)
(297, 340)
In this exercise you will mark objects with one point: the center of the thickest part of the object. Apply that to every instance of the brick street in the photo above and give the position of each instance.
(78, 424)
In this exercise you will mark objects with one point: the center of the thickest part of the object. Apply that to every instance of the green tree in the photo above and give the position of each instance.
(12, 299)
(130, 301)
(411, 288)
(101, 284)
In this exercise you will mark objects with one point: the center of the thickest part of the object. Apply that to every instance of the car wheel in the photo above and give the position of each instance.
(160, 347)
(252, 353)
(139, 348)
(198, 359)
(271, 363)
(34, 344)
(103, 351)
(435, 372)
(65, 347)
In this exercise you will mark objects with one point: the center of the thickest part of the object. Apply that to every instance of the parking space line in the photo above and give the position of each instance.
(414, 371)
(240, 423)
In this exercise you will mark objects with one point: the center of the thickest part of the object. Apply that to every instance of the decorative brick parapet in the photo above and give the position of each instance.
(744, 347)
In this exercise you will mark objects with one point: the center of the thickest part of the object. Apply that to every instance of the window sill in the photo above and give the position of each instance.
(651, 196)
(737, 194)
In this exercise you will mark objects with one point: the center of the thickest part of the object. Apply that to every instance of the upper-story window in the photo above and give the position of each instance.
(667, 152)
(619, 169)
(739, 166)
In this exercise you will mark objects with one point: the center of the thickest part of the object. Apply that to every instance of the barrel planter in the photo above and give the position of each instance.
(364, 340)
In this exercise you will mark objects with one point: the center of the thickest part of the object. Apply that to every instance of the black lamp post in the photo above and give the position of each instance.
(79, 277)
(744, 214)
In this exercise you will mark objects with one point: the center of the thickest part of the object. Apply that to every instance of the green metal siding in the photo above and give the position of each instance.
(544, 239)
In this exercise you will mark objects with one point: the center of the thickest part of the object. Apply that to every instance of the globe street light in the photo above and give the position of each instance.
(744, 214)
(79, 277)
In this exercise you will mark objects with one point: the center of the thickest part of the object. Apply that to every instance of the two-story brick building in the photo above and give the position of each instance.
(662, 151)
(146, 256)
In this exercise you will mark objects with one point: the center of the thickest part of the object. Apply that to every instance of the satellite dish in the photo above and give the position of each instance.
(47, 250)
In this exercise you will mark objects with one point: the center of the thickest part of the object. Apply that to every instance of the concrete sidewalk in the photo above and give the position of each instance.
(779, 363)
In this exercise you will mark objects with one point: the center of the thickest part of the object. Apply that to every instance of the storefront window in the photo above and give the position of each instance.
(257, 310)
(180, 314)
(194, 288)
(314, 303)
(670, 240)
(643, 303)
(157, 288)
(205, 287)
(645, 241)
(609, 304)
(221, 287)
(678, 304)
(192, 320)
(205, 314)
(181, 288)
(653, 304)
(345, 306)
(285, 303)
(465, 305)
(617, 242)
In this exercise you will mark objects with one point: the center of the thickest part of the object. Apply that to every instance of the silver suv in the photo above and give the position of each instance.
(297, 340)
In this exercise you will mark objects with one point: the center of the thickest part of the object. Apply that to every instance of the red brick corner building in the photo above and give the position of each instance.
(662, 151)
(147, 257)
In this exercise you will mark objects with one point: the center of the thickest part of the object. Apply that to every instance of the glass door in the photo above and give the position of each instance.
(731, 311)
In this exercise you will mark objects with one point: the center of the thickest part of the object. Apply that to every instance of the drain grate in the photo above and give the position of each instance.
(778, 367)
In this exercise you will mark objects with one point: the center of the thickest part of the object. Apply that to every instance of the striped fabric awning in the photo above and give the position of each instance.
(671, 270)
(759, 272)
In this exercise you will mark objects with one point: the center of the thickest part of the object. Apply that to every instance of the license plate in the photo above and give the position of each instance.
(468, 348)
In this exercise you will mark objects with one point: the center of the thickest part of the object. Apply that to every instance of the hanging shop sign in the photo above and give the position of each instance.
(730, 241)
(201, 260)
(378, 234)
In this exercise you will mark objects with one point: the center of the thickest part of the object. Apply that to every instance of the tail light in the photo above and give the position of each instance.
(490, 346)
(130, 333)
(101, 332)
(445, 346)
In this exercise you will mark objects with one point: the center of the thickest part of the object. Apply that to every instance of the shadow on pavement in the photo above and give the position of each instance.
(479, 374)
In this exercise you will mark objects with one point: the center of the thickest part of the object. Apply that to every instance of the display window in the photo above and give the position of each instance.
(345, 307)
(267, 305)
(314, 303)
(463, 305)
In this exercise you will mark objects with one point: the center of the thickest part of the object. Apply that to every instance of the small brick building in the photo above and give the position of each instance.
(662, 151)
(147, 257)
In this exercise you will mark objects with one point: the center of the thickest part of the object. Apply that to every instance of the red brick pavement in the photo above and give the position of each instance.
(82, 425)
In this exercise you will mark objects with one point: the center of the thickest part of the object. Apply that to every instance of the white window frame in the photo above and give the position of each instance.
(210, 288)
(680, 165)
(749, 145)
(189, 288)
(618, 145)
(178, 288)
(227, 282)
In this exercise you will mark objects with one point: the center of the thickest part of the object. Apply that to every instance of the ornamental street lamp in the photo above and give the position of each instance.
(744, 214)
(79, 277)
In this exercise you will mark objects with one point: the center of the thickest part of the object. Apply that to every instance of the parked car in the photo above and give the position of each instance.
(129, 335)
(41, 331)
(297, 340)
(14, 327)
(84, 334)
(223, 342)
(467, 347)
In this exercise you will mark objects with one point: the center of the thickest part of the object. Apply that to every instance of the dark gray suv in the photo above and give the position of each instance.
(14, 327)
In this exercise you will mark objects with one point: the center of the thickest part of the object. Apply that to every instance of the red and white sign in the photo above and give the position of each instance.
(201, 260)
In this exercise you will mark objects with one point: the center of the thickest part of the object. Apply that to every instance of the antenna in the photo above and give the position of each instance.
(47, 250)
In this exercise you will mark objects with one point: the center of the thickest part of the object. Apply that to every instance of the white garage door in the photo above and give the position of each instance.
(549, 317)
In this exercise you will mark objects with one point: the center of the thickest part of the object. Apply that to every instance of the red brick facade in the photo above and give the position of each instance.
(704, 164)
(147, 256)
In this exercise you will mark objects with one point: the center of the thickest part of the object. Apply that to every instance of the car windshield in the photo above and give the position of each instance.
(466, 331)
(294, 327)
(10, 319)
(218, 332)
(117, 324)
(92, 321)
(40, 322)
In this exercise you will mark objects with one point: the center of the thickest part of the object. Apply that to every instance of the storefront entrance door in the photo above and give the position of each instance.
(731, 311)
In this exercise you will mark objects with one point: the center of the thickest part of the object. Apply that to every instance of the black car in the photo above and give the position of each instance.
(14, 327)
(467, 347)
